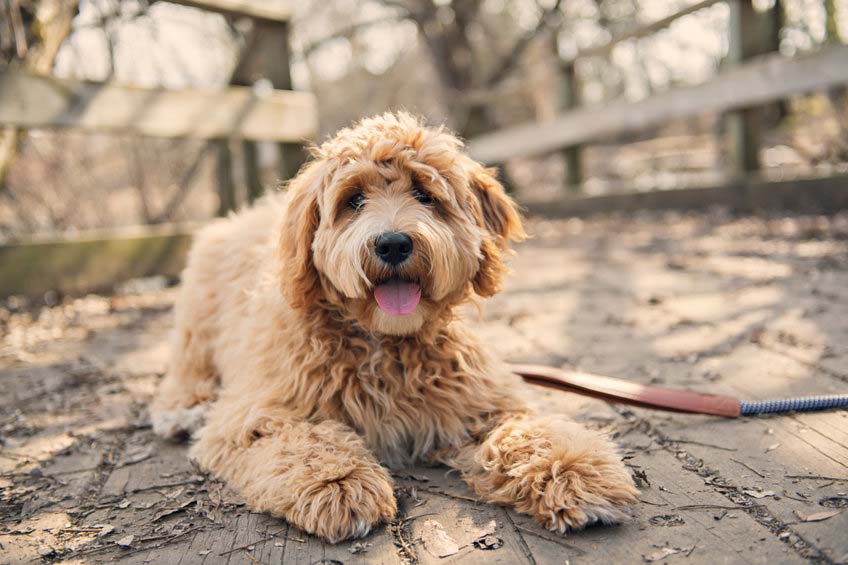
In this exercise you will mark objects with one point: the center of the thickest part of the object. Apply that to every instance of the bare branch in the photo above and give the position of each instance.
(351, 30)
(508, 64)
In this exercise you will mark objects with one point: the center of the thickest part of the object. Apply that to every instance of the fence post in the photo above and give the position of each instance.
(743, 127)
(224, 172)
(569, 99)
(267, 55)
(291, 155)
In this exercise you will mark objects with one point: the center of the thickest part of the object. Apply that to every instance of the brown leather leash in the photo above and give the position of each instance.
(627, 392)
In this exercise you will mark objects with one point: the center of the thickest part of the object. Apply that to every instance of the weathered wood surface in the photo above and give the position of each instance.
(748, 307)
(92, 260)
(256, 9)
(767, 79)
(35, 101)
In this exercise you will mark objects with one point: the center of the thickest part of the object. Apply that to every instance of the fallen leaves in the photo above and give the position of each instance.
(126, 541)
(488, 542)
(664, 552)
(667, 520)
(440, 544)
(817, 516)
(756, 493)
(436, 540)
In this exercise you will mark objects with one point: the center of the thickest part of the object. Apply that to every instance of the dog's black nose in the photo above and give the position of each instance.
(393, 247)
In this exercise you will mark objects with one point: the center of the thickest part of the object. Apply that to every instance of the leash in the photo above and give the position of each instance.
(670, 399)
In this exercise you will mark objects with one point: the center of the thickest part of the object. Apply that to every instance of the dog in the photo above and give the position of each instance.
(317, 345)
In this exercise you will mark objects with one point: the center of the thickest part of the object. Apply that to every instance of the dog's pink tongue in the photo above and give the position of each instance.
(397, 298)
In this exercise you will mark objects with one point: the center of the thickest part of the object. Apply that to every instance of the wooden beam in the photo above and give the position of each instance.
(256, 9)
(92, 261)
(743, 126)
(763, 80)
(35, 101)
(811, 196)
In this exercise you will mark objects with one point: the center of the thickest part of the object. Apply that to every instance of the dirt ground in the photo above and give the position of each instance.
(750, 307)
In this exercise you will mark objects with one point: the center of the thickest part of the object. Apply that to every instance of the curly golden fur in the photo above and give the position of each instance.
(309, 387)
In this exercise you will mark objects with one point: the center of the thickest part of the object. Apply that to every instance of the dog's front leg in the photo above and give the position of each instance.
(559, 472)
(320, 477)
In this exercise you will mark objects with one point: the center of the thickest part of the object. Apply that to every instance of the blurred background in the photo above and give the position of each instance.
(476, 65)
(684, 169)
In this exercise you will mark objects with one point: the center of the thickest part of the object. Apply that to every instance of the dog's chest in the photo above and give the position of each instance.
(406, 412)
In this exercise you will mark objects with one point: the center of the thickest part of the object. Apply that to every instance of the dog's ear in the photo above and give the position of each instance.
(500, 213)
(499, 216)
(299, 278)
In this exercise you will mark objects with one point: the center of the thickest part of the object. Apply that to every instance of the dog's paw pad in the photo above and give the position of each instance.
(178, 424)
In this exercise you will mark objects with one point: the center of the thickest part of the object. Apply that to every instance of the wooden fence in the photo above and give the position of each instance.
(94, 260)
(752, 77)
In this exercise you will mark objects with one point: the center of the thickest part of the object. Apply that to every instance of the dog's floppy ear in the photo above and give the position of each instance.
(299, 277)
(499, 216)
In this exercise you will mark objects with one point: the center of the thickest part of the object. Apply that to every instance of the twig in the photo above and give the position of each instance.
(817, 478)
(651, 503)
(715, 507)
(787, 495)
(268, 537)
(506, 66)
(233, 550)
(411, 518)
(749, 468)
(449, 495)
(167, 485)
(168, 541)
(549, 538)
(670, 440)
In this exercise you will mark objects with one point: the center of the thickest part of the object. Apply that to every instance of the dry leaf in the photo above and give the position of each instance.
(664, 552)
(126, 541)
(105, 530)
(436, 540)
(817, 516)
(488, 542)
(759, 493)
(358, 547)
(772, 447)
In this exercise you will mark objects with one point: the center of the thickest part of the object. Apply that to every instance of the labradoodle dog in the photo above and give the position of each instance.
(317, 344)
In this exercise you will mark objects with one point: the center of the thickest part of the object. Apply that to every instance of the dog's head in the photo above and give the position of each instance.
(393, 225)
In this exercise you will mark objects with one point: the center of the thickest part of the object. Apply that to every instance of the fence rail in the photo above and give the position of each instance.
(33, 101)
(771, 78)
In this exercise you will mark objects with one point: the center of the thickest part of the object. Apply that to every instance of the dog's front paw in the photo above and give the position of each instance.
(345, 507)
(178, 424)
(574, 489)
(563, 475)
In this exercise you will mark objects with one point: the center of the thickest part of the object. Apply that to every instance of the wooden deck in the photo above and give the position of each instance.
(747, 307)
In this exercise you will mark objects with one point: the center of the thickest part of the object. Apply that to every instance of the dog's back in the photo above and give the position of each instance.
(224, 267)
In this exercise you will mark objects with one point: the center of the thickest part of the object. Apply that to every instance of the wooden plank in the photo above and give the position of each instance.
(34, 101)
(570, 100)
(256, 9)
(92, 261)
(813, 195)
(770, 78)
(743, 126)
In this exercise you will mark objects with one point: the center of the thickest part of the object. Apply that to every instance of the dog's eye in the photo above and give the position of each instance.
(356, 201)
(421, 196)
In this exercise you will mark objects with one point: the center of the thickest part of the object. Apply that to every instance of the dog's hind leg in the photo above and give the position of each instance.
(190, 383)
(320, 477)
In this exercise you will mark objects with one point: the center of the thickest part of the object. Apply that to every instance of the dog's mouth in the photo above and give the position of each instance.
(397, 297)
